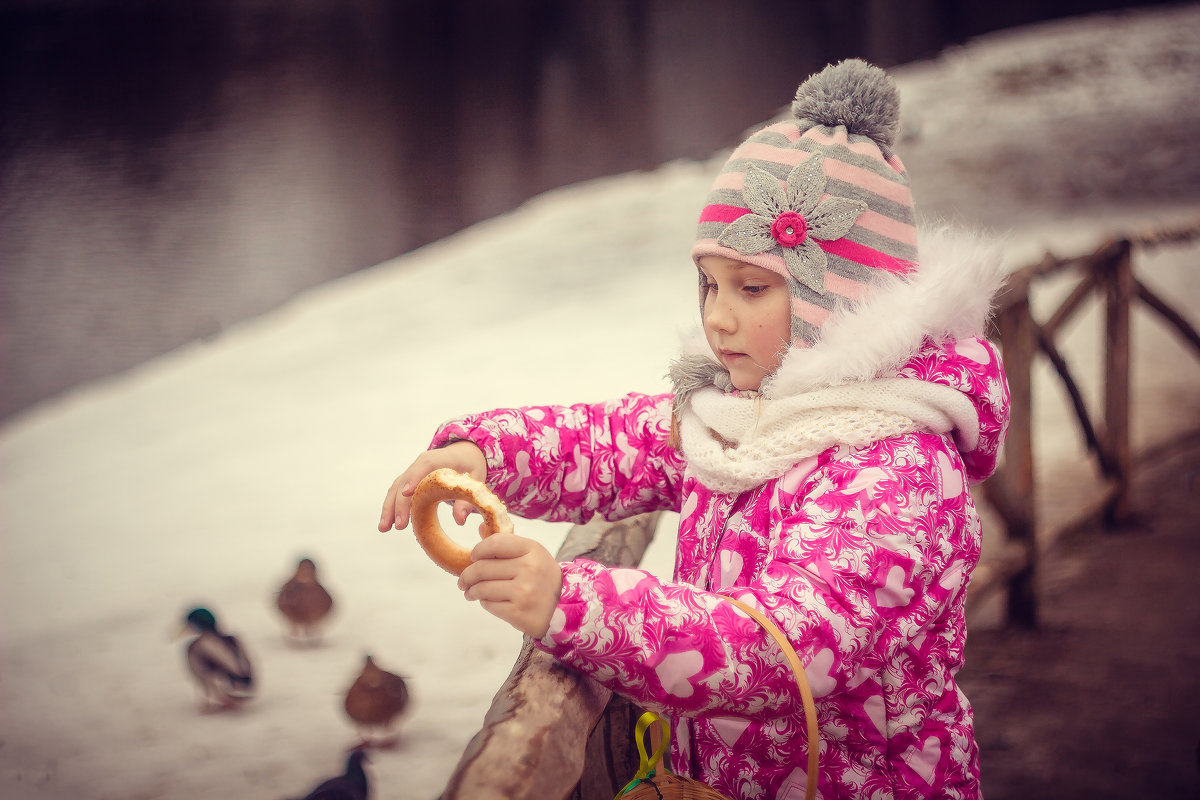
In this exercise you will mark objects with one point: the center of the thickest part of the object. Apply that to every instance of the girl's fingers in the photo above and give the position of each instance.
(501, 545)
(499, 608)
(387, 516)
(488, 569)
(404, 504)
(515, 579)
(498, 591)
(462, 510)
(504, 610)
(397, 503)
(462, 456)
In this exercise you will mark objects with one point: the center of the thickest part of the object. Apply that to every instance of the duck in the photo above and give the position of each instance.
(218, 663)
(350, 785)
(304, 603)
(375, 702)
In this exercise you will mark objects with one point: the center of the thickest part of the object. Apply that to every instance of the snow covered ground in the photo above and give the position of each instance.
(200, 477)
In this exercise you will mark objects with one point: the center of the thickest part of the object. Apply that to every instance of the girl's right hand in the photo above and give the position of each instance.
(461, 456)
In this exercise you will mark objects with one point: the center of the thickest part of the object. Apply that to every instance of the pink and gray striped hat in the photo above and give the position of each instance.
(819, 198)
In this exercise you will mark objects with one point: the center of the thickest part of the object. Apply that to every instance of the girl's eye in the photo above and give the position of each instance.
(754, 289)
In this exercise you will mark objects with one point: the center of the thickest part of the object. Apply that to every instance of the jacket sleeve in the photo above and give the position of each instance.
(870, 548)
(567, 463)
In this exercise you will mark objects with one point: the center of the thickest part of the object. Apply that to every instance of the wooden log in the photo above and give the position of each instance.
(612, 757)
(535, 737)
(1117, 269)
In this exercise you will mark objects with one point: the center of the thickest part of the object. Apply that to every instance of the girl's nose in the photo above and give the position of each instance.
(718, 316)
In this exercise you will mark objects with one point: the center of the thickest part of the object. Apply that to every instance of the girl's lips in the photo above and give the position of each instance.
(731, 354)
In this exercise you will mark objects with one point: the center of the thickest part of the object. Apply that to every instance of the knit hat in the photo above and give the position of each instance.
(820, 198)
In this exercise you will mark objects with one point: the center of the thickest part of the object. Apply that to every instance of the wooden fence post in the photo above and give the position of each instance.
(1018, 340)
(1119, 291)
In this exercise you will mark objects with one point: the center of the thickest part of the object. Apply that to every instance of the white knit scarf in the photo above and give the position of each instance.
(761, 439)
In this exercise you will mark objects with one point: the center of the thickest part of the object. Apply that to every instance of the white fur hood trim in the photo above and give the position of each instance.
(950, 298)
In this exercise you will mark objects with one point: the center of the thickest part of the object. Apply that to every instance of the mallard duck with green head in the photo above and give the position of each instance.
(218, 663)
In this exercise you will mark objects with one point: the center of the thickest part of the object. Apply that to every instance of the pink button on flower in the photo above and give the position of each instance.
(789, 229)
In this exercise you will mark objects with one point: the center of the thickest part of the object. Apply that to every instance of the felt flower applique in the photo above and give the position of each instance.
(788, 218)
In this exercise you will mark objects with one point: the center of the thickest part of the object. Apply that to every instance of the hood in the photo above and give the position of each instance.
(972, 367)
(929, 328)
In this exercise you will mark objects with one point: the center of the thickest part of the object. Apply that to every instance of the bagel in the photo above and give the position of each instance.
(447, 484)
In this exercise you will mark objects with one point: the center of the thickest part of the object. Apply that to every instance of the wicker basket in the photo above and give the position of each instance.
(670, 786)
(654, 782)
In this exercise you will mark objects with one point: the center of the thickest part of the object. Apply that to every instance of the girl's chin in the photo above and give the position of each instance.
(745, 383)
(744, 373)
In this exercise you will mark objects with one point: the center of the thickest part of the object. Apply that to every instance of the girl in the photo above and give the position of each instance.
(817, 446)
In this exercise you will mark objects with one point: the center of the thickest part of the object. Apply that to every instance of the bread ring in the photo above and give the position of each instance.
(446, 484)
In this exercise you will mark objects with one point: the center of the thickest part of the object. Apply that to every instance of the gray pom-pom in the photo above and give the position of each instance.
(855, 94)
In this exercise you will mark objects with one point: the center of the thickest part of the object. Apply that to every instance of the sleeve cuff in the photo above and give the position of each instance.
(574, 604)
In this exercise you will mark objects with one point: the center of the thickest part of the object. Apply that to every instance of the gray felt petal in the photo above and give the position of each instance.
(749, 234)
(806, 184)
(763, 193)
(834, 218)
(807, 264)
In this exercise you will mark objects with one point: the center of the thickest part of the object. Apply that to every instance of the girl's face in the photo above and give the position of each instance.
(747, 318)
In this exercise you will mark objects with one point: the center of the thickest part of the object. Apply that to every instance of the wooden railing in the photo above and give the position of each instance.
(553, 733)
(1107, 272)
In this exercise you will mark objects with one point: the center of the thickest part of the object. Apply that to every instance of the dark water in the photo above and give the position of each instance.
(169, 168)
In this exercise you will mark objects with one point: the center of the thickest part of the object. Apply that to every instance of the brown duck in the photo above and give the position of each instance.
(375, 702)
(304, 603)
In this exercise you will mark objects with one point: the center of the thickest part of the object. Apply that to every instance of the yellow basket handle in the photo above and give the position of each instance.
(810, 709)
(646, 767)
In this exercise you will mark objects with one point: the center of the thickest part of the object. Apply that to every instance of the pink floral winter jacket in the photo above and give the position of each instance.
(860, 555)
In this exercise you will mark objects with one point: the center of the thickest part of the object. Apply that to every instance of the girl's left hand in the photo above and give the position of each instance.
(516, 579)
